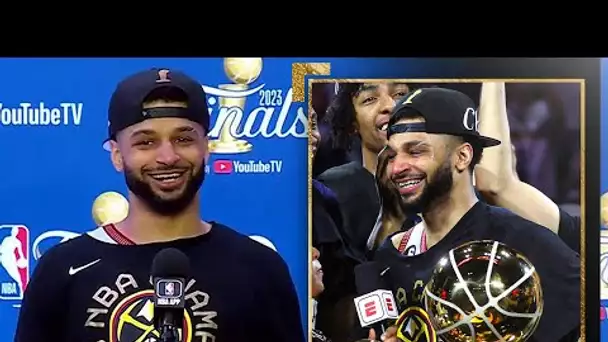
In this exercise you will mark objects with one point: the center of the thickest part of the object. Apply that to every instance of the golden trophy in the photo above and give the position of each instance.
(110, 207)
(513, 287)
(242, 71)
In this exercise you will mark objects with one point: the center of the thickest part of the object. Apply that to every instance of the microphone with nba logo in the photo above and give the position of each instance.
(376, 306)
(170, 269)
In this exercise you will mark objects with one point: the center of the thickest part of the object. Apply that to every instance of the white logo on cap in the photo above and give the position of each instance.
(163, 76)
(470, 120)
(411, 97)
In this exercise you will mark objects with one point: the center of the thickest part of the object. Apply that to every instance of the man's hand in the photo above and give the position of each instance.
(390, 335)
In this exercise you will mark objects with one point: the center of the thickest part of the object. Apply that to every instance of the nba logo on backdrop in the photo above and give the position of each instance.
(14, 261)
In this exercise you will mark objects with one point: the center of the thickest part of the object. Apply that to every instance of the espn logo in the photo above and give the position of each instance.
(222, 167)
(375, 307)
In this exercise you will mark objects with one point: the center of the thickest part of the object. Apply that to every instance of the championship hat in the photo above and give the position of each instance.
(126, 105)
(445, 111)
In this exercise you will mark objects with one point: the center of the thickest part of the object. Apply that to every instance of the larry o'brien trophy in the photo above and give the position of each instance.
(483, 291)
(241, 71)
(109, 207)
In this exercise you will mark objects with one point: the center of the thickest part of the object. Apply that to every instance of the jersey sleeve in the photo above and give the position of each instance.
(570, 230)
(281, 320)
(558, 267)
(44, 302)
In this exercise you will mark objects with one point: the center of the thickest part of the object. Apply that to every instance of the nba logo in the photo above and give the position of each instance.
(14, 261)
(169, 289)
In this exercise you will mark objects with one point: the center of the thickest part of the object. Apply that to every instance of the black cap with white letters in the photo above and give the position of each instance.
(445, 111)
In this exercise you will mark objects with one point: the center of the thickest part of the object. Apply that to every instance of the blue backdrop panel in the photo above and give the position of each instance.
(53, 119)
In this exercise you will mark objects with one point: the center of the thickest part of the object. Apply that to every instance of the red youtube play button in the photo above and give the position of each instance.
(222, 166)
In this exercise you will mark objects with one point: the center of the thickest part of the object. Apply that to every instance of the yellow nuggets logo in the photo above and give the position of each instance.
(132, 320)
(414, 325)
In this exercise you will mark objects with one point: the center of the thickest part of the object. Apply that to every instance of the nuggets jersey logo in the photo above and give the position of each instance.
(14, 259)
(123, 311)
(132, 320)
(414, 325)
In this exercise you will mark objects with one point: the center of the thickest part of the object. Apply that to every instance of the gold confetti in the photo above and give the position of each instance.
(298, 74)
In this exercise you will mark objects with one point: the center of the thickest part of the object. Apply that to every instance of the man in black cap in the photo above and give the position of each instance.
(97, 287)
(434, 144)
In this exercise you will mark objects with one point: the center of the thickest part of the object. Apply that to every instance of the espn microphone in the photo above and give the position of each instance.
(170, 269)
(376, 306)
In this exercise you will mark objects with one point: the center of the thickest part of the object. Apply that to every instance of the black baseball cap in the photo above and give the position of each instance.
(445, 111)
(126, 105)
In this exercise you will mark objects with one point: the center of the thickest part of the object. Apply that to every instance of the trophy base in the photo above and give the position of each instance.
(229, 147)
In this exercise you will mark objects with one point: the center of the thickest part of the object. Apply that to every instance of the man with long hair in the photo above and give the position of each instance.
(392, 214)
(360, 113)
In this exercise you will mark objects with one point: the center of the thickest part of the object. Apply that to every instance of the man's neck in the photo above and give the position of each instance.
(445, 213)
(143, 225)
(370, 160)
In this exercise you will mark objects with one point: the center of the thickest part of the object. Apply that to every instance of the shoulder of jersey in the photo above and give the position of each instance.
(504, 217)
(516, 226)
(75, 242)
(241, 242)
(85, 240)
(70, 248)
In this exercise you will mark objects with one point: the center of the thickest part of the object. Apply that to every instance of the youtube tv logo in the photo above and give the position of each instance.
(222, 167)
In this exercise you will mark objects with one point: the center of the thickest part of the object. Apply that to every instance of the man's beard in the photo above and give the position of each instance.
(165, 207)
(435, 190)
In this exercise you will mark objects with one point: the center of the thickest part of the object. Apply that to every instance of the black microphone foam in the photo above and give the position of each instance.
(371, 277)
(368, 277)
(170, 271)
(171, 262)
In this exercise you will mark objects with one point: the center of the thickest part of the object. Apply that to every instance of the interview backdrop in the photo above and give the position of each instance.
(53, 116)
(53, 119)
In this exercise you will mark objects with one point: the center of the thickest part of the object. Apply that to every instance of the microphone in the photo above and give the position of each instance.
(170, 269)
(376, 306)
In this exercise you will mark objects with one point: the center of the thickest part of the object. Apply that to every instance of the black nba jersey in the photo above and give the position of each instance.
(557, 265)
(97, 287)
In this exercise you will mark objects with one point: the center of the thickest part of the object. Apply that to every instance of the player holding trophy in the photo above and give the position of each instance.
(434, 145)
